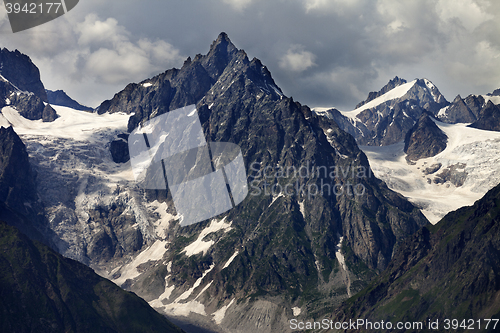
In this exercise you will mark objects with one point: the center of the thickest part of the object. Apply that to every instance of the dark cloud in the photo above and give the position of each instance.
(321, 52)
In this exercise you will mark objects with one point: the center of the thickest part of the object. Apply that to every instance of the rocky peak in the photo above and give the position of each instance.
(424, 139)
(220, 55)
(389, 86)
(59, 97)
(496, 92)
(21, 72)
(489, 118)
(458, 111)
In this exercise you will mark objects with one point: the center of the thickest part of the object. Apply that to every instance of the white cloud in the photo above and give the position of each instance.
(238, 4)
(297, 59)
(469, 13)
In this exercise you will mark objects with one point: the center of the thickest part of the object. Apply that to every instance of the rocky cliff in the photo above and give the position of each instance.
(424, 139)
(21, 72)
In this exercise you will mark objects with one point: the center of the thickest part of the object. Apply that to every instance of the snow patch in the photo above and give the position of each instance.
(494, 99)
(296, 311)
(221, 313)
(188, 292)
(199, 245)
(153, 253)
(275, 198)
(147, 84)
(230, 260)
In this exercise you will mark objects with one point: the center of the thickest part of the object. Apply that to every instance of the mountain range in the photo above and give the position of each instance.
(279, 254)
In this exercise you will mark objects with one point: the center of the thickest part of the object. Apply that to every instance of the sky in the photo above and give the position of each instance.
(324, 53)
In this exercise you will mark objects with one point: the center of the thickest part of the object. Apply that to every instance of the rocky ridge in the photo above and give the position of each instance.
(59, 97)
(45, 292)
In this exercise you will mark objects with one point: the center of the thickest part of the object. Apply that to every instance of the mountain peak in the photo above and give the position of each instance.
(424, 139)
(223, 43)
(389, 86)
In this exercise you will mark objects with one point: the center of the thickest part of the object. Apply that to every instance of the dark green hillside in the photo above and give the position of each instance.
(447, 271)
(41, 291)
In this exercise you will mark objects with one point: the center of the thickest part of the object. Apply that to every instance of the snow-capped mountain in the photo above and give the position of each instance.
(385, 117)
(440, 172)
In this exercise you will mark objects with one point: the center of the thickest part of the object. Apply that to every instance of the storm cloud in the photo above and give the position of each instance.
(321, 52)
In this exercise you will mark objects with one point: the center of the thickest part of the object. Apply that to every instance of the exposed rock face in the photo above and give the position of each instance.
(21, 72)
(496, 92)
(285, 245)
(425, 139)
(32, 107)
(448, 270)
(45, 292)
(21, 88)
(388, 122)
(458, 112)
(119, 150)
(19, 205)
(59, 97)
(389, 86)
(489, 118)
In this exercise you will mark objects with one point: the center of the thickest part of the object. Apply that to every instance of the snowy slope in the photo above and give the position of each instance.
(395, 93)
(479, 150)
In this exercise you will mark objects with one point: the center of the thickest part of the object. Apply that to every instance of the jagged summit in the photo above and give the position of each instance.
(386, 116)
(219, 69)
(252, 250)
(389, 86)
(18, 68)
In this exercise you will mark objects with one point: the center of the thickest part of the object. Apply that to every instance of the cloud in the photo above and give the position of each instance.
(321, 52)
(238, 4)
(297, 59)
(112, 57)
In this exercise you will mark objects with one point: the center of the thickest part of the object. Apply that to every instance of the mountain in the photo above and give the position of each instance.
(275, 251)
(275, 254)
(18, 69)
(389, 86)
(19, 202)
(457, 176)
(489, 118)
(21, 88)
(424, 139)
(45, 292)
(449, 270)
(385, 117)
(470, 110)
(59, 97)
